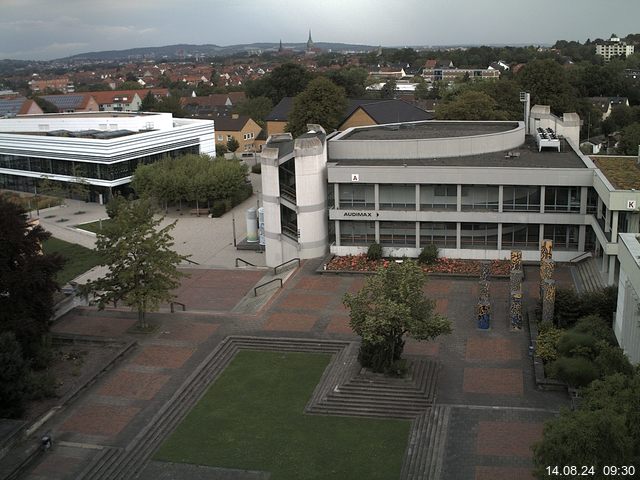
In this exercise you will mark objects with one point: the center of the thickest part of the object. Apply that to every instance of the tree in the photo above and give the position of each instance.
(232, 144)
(322, 103)
(605, 430)
(470, 105)
(287, 80)
(142, 265)
(171, 104)
(548, 84)
(422, 91)
(388, 90)
(391, 305)
(149, 103)
(27, 279)
(352, 79)
(13, 374)
(255, 108)
(630, 141)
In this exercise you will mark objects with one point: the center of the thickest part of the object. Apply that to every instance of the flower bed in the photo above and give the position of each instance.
(360, 263)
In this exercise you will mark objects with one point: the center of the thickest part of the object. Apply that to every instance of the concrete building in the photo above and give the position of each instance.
(475, 189)
(614, 47)
(102, 148)
(627, 321)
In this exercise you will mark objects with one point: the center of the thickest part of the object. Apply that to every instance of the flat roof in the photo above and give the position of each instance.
(622, 172)
(428, 129)
(525, 156)
(88, 114)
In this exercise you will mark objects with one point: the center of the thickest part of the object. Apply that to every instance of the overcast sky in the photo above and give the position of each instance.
(47, 29)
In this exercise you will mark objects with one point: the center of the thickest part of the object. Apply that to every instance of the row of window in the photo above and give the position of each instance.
(444, 235)
(98, 171)
(473, 197)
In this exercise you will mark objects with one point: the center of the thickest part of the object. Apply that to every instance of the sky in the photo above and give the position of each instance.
(49, 29)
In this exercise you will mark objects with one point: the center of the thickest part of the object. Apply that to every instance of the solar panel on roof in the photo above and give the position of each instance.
(10, 106)
(65, 101)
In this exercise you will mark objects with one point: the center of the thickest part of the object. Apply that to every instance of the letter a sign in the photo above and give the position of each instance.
(355, 177)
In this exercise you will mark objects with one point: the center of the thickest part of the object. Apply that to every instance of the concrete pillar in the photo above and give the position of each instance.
(336, 195)
(500, 200)
(582, 237)
(614, 226)
(417, 234)
(584, 192)
(337, 231)
(417, 197)
(377, 231)
(612, 269)
(599, 209)
(459, 199)
(541, 236)
(500, 230)
(634, 223)
(458, 234)
(605, 258)
(542, 198)
(607, 221)
(376, 197)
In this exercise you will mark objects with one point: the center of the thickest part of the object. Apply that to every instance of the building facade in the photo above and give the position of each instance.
(614, 47)
(100, 149)
(627, 320)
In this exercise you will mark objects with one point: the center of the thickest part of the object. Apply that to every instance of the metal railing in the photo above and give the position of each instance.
(275, 269)
(172, 306)
(255, 290)
(238, 259)
(581, 257)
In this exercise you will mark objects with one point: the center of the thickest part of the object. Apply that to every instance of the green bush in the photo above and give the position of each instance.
(374, 251)
(42, 384)
(568, 307)
(596, 327)
(257, 168)
(575, 371)
(13, 377)
(573, 344)
(218, 208)
(547, 344)
(428, 255)
(611, 360)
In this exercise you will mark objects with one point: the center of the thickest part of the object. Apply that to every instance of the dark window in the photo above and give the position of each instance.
(398, 234)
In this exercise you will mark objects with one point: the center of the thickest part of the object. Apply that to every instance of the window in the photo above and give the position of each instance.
(479, 235)
(521, 199)
(357, 233)
(480, 197)
(356, 196)
(564, 237)
(440, 234)
(398, 197)
(398, 234)
(438, 197)
(229, 137)
(248, 136)
(520, 236)
(562, 199)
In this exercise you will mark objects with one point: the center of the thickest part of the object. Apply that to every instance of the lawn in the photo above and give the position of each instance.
(94, 226)
(79, 258)
(252, 418)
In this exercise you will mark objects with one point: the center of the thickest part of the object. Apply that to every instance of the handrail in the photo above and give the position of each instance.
(255, 290)
(184, 307)
(580, 257)
(191, 261)
(275, 269)
(244, 261)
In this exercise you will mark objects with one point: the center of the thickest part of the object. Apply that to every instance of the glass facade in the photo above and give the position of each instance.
(289, 222)
(562, 199)
(398, 234)
(357, 233)
(438, 197)
(91, 170)
(479, 235)
(441, 234)
(564, 237)
(480, 197)
(357, 196)
(520, 199)
(397, 197)
(520, 236)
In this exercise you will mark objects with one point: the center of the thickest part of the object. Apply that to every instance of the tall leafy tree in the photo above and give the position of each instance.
(286, 80)
(548, 84)
(392, 304)
(322, 102)
(388, 90)
(14, 372)
(630, 140)
(255, 108)
(471, 105)
(143, 267)
(149, 103)
(27, 279)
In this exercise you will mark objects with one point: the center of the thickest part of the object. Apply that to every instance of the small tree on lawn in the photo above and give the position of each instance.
(391, 305)
(232, 145)
(142, 265)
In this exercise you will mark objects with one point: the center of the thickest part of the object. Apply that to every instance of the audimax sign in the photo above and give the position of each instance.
(361, 214)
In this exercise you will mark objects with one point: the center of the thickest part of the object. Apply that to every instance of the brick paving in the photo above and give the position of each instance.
(485, 378)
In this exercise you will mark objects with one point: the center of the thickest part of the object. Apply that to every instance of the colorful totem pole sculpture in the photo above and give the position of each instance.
(515, 298)
(483, 312)
(547, 284)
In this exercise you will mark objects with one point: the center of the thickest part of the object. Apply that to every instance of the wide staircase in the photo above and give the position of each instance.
(587, 276)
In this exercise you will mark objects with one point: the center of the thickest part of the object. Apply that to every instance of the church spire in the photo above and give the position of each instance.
(280, 47)
(310, 41)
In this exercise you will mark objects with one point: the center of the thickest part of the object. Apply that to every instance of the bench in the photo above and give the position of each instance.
(199, 211)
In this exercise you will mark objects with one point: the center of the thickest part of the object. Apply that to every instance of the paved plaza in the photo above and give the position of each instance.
(486, 381)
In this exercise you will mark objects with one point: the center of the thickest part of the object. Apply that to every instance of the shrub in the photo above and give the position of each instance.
(612, 359)
(374, 252)
(428, 255)
(257, 168)
(13, 374)
(572, 344)
(575, 371)
(547, 344)
(596, 327)
(218, 208)
(42, 384)
(567, 307)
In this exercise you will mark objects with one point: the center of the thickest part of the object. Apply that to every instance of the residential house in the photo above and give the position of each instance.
(607, 104)
(12, 105)
(73, 102)
(242, 128)
(279, 116)
(361, 113)
(215, 105)
(62, 84)
(126, 100)
(613, 47)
